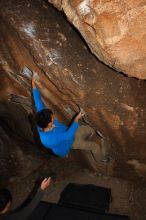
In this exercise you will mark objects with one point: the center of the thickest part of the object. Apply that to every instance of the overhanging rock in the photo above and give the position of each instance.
(35, 35)
(114, 30)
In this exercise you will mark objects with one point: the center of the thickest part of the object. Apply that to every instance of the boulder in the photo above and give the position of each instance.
(35, 35)
(114, 31)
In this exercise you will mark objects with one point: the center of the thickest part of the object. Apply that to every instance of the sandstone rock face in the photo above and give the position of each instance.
(114, 30)
(35, 35)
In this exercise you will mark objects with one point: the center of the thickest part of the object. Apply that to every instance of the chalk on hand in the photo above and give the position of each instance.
(29, 73)
(82, 111)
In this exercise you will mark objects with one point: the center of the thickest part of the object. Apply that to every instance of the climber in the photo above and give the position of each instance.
(53, 134)
(60, 138)
(26, 210)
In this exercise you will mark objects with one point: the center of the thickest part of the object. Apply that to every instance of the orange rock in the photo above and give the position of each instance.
(114, 30)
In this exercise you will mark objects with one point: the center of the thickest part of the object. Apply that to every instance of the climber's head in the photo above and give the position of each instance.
(45, 118)
(5, 200)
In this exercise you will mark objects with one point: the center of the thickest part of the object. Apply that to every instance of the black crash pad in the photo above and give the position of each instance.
(86, 196)
(48, 211)
(64, 213)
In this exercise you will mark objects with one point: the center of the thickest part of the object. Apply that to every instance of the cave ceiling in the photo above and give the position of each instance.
(114, 31)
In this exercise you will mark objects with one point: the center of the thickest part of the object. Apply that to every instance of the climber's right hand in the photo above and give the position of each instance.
(79, 115)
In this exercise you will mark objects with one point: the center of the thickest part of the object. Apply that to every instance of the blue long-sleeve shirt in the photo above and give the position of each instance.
(61, 137)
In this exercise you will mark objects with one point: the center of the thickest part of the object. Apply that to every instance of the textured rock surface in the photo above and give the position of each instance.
(114, 30)
(34, 34)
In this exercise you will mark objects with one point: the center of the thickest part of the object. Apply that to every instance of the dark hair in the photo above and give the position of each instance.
(5, 198)
(44, 117)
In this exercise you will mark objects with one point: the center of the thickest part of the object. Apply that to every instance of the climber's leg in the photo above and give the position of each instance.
(82, 135)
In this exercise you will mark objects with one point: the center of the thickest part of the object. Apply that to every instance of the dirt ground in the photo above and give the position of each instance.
(127, 198)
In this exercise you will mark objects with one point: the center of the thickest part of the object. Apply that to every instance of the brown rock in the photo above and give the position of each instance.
(114, 30)
(35, 35)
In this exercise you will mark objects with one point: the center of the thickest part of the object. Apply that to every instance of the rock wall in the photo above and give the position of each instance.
(35, 35)
(114, 30)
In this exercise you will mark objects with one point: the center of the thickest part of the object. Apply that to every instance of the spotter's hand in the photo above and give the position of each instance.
(45, 183)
